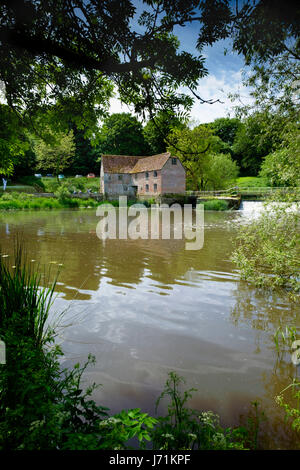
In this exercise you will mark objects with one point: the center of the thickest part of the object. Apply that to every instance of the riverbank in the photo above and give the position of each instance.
(25, 201)
(146, 307)
(48, 409)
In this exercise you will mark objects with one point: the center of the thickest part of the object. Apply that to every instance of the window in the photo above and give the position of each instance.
(155, 174)
(147, 175)
(174, 161)
(125, 187)
(147, 187)
(155, 187)
(120, 177)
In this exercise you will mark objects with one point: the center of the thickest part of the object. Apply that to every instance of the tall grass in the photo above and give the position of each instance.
(24, 304)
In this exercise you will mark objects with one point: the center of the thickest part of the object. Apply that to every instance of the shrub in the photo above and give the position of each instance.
(63, 194)
(216, 205)
(32, 181)
(292, 412)
(268, 249)
(51, 185)
(186, 429)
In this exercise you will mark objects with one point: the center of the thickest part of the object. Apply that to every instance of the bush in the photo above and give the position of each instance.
(51, 185)
(187, 429)
(292, 412)
(268, 249)
(41, 407)
(72, 184)
(32, 181)
(63, 194)
(28, 201)
(216, 205)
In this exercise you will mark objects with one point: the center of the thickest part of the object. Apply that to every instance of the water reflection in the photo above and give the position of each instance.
(145, 307)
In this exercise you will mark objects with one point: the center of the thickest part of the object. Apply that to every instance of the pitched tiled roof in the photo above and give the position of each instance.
(118, 163)
(130, 164)
(155, 162)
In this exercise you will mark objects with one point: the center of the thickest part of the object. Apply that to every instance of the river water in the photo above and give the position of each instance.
(146, 307)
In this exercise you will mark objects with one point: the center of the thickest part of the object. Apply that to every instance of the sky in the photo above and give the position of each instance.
(224, 78)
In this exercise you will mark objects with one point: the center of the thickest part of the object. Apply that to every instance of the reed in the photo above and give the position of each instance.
(24, 303)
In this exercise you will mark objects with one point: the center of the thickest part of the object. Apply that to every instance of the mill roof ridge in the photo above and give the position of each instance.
(133, 164)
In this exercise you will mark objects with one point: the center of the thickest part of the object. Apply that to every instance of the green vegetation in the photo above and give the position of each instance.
(292, 412)
(58, 90)
(252, 182)
(57, 76)
(282, 167)
(183, 428)
(55, 155)
(267, 249)
(72, 184)
(286, 339)
(158, 128)
(200, 153)
(18, 188)
(44, 408)
(10, 201)
(122, 134)
(216, 205)
(12, 145)
(63, 199)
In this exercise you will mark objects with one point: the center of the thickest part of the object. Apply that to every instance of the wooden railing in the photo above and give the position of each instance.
(236, 191)
(223, 192)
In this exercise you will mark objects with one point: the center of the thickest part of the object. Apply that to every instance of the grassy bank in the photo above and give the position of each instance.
(23, 201)
(252, 182)
(216, 205)
(45, 408)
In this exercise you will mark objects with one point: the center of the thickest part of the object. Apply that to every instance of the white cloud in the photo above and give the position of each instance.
(218, 88)
(211, 87)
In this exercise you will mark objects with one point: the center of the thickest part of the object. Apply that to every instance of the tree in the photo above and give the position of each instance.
(157, 129)
(122, 134)
(282, 167)
(25, 164)
(56, 50)
(13, 143)
(69, 56)
(259, 134)
(55, 155)
(225, 128)
(199, 153)
(86, 158)
(221, 171)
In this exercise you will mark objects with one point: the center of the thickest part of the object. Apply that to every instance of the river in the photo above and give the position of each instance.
(146, 307)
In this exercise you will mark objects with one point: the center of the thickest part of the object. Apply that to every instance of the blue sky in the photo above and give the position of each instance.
(224, 75)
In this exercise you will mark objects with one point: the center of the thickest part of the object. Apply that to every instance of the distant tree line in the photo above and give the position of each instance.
(248, 146)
